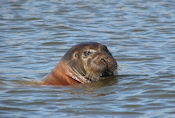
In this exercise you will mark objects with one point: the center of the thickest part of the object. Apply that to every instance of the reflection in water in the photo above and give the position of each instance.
(34, 35)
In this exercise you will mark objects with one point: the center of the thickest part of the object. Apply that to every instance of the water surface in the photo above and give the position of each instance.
(34, 35)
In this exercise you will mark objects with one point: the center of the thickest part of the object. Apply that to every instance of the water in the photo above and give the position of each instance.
(34, 35)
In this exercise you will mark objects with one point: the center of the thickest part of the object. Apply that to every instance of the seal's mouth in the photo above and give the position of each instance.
(107, 74)
(96, 77)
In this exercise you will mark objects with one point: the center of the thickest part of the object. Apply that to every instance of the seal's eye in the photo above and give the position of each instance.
(86, 53)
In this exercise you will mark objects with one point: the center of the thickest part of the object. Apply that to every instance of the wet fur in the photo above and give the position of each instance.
(79, 67)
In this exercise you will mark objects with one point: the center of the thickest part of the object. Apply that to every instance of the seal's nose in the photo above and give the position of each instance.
(109, 61)
(104, 60)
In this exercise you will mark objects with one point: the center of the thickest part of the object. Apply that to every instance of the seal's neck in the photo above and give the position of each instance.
(77, 76)
(60, 75)
(74, 74)
(63, 74)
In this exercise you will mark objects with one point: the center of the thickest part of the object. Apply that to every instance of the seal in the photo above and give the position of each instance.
(83, 63)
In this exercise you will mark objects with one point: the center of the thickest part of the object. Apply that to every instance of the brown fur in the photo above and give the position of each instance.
(58, 76)
(77, 67)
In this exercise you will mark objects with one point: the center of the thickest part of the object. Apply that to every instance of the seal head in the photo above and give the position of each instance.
(90, 61)
(83, 63)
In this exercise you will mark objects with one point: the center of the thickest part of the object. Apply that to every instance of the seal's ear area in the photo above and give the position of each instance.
(75, 55)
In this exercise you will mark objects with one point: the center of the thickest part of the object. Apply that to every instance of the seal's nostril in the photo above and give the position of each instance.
(103, 59)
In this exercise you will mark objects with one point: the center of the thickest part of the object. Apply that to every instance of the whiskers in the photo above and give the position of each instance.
(98, 76)
(101, 73)
(92, 76)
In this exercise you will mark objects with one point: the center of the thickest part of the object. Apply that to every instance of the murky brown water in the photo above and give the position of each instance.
(34, 35)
